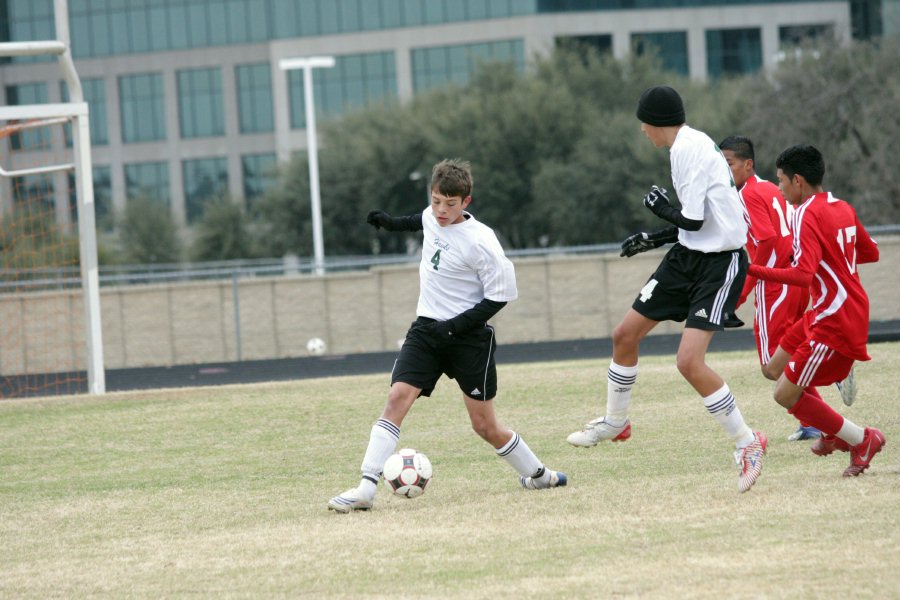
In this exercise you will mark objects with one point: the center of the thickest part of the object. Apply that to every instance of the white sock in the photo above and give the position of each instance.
(382, 443)
(520, 457)
(619, 381)
(722, 406)
(851, 433)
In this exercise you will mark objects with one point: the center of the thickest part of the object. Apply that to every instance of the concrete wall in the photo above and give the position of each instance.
(560, 297)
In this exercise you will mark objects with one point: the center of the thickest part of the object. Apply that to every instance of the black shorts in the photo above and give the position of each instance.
(468, 358)
(702, 287)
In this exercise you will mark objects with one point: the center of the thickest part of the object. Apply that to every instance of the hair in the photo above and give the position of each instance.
(741, 145)
(452, 177)
(803, 160)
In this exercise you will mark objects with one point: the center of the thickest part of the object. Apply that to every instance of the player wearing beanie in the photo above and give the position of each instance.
(698, 281)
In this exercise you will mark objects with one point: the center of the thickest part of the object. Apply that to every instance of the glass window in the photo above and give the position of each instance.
(27, 20)
(433, 67)
(142, 108)
(201, 112)
(205, 180)
(254, 91)
(356, 80)
(434, 11)
(391, 14)
(796, 35)
(34, 193)
(95, 95)
(259, 175)
(103, 206)
(29, 139)
(733, 51)
(148, 180)
(670, 47)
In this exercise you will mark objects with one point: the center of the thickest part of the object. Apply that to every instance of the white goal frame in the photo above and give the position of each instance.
(75, 112)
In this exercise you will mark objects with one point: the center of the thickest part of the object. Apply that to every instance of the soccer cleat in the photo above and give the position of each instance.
(805, 433)
(750, 460)
(847, 388)
(557, 479)
(862, 455)
(827, 444)
(350, 500)
(599, 430)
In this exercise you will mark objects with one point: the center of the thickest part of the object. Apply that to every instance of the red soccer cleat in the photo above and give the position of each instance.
(827, 444)
(862, 455)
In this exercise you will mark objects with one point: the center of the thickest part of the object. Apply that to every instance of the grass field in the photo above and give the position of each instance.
(221, 492)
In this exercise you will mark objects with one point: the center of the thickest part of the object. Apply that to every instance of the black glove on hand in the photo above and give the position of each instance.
(657, 200)
(643, 241)
(442, 331)
(379, 219)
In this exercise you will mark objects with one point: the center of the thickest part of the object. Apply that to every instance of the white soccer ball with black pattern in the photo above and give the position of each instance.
(316, 346)
(407, 473)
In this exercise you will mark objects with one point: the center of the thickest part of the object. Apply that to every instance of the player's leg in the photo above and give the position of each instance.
(717, 282)
(510, 446)
(816, 364)
(415, 373)
(620, 379)
(470, 360)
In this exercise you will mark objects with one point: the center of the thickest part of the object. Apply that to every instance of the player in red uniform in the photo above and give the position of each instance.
(769, 244)
(820, 348)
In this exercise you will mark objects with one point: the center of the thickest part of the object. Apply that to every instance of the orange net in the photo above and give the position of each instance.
(42, 347)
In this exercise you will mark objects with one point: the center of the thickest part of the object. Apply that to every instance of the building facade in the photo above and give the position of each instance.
(188, 102)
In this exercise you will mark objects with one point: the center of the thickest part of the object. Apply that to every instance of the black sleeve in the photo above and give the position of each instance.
(408, 223)
(476, 316)
(674, 216)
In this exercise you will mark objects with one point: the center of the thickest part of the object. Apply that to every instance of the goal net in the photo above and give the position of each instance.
(50, 341)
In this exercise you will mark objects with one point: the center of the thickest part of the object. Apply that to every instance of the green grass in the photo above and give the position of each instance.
(221, 492)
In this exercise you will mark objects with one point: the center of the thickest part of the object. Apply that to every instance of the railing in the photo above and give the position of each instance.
(115, 275)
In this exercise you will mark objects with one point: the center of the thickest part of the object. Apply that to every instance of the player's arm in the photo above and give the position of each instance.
(468, 320)
(866, 248)
(380, 219)
(658, 202)
(790, 275)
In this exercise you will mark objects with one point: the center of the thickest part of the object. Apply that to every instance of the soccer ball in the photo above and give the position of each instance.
(316, 346)
(407, 472)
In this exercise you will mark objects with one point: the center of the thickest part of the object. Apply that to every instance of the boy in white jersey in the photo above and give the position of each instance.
(698, 281)
(465, 279)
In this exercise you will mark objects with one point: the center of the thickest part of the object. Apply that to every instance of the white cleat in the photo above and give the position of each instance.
(599, 430)
(750, 461)
(557, 479)
(847, 388)
(350, 500)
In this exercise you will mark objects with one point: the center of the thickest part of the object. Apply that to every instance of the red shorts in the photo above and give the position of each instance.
(778, 306)
(812, 363)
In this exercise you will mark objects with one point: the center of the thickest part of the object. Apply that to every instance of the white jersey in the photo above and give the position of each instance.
(462, 264)
(706, 191)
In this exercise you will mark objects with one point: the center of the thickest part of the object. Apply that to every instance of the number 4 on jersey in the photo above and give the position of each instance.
(436, 259)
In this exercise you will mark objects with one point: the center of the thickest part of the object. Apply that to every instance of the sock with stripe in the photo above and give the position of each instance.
(382, 443)
(619, 381)
(722, 406)
(520, 457)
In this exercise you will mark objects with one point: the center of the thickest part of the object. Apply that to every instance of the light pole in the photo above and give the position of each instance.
(308, 64)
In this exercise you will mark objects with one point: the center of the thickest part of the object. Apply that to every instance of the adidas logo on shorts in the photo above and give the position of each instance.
(701, 313)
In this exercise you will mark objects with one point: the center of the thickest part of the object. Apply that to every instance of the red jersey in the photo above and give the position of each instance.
(769, 244)
(829, 242)
(768, 217)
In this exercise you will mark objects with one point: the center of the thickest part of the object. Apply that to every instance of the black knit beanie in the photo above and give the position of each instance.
(660, 106)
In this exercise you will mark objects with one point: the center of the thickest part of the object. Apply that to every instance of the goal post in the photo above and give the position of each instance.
(28, 117)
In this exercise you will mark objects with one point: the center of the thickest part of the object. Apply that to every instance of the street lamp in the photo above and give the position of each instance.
(308, 64)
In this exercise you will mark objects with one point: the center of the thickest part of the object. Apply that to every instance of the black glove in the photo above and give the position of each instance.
(732, 321)
(643, 241)
(378, 219)
(442, 331)
(657, 200)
